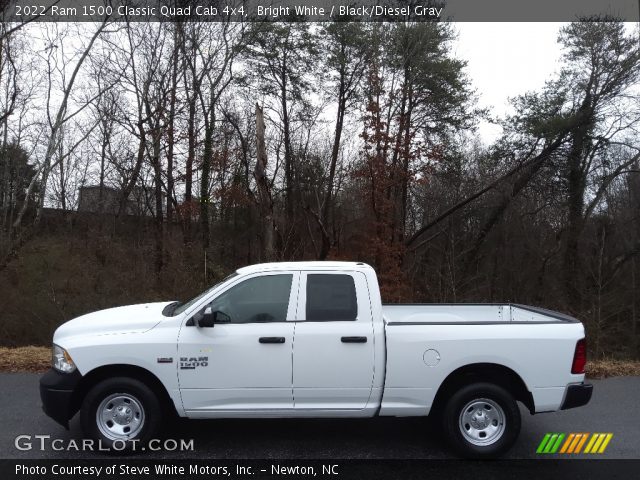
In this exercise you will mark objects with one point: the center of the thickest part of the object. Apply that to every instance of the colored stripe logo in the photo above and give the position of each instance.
(573, 443)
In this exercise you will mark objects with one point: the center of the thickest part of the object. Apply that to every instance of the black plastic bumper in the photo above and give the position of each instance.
(56, 393)
(577, 395)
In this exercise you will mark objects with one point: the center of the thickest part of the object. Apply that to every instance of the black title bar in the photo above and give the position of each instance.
(319, 10)
(128, 468)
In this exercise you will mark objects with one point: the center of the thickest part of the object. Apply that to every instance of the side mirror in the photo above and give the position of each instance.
(207, 320)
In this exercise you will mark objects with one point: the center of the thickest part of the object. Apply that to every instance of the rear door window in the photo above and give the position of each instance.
(331, 297)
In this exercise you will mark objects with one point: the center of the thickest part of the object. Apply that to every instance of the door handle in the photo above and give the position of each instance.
(271, 339)
(354, 339)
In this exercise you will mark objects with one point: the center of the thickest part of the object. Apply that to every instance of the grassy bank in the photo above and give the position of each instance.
(38, 359)
(25, 359)
(58, 277)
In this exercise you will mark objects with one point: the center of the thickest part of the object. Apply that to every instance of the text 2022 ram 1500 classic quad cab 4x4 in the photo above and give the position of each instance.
(313, 339)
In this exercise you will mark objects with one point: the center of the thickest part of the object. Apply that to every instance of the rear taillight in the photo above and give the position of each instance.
(579, 357)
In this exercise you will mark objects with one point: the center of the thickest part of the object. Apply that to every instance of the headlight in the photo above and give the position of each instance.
(61, 360)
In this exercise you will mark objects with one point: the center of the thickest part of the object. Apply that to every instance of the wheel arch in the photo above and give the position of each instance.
(98, 374)
(494, 373)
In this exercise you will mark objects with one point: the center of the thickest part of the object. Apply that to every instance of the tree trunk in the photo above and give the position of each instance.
(335, 151)
(159, 227)
(204, 179)
(191, 153)
(265, 203)
(576, 184)
(171, 127)
(406, 161)
(63, 192)
(103, 158)
(288, 161)
(128, 188)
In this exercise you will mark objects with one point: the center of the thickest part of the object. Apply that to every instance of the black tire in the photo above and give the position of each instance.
(481, 418)
(148, 413)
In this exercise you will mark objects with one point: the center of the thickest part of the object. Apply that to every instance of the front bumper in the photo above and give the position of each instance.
(577, 395)
(56, 393)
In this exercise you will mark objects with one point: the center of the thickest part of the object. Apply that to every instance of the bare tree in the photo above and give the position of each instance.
(56, 121)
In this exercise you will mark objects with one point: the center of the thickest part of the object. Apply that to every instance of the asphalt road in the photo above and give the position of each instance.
(613, 408)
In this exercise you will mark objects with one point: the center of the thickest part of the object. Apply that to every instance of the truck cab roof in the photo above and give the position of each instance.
(310, 265)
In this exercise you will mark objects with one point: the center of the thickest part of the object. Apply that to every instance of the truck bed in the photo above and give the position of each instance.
(469, 313)
(427, 343)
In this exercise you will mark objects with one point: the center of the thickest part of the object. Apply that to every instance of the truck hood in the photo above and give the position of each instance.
(128, 319)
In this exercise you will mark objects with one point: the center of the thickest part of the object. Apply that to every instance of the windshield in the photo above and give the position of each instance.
(181, 307)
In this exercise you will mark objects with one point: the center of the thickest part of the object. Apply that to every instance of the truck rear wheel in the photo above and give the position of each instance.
(120, 412)
(482, 420)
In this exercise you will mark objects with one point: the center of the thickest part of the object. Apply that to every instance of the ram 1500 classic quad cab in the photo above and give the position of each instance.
(313, 339)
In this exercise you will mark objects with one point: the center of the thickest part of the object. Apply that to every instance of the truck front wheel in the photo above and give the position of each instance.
(482, 420)
(120, 413)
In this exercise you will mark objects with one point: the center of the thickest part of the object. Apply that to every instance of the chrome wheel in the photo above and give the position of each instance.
(482, 422)
(120, 416)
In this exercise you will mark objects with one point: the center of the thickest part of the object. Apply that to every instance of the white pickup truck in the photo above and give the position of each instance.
(313, 339)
